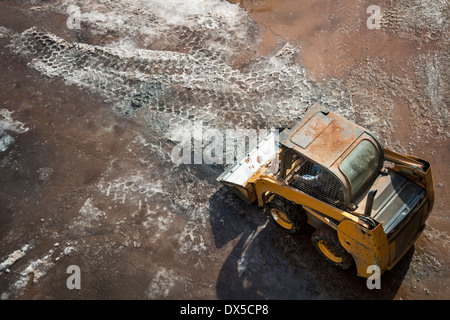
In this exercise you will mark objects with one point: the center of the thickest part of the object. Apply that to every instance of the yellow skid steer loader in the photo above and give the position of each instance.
(368, 204)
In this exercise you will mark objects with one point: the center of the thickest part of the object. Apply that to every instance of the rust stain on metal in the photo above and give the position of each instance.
(324, 137)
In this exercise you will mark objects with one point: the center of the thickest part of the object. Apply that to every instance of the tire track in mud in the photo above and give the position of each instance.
(421, 21)
(170, 89)
(342, 36)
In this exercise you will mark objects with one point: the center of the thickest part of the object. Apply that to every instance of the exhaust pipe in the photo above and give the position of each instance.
(369, 203)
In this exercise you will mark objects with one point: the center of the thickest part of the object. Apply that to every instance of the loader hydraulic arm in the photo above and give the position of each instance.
(402, 160)
(415, 169)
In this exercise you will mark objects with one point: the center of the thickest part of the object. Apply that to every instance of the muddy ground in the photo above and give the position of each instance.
(89, 116)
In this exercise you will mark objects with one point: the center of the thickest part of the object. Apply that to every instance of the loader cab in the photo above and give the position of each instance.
(329, 158)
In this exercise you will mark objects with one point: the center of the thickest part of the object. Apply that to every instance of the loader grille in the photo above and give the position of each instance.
(318, 183)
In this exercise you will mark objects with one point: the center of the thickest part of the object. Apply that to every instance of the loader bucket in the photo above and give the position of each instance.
(260, 160)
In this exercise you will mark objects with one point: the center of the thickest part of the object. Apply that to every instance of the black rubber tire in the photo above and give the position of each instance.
(326, 236)
(294, 213)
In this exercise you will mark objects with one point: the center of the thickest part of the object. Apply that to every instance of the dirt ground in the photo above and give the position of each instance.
(88, 116)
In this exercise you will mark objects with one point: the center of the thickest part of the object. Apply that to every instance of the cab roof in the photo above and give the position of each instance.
(321, 136)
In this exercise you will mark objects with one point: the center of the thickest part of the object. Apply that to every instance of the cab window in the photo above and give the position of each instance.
(360, 165)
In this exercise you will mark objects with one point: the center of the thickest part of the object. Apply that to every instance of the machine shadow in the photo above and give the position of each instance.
(267, 263)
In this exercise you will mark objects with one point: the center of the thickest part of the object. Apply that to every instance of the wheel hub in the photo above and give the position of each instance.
(329, 251)
(281, 218)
